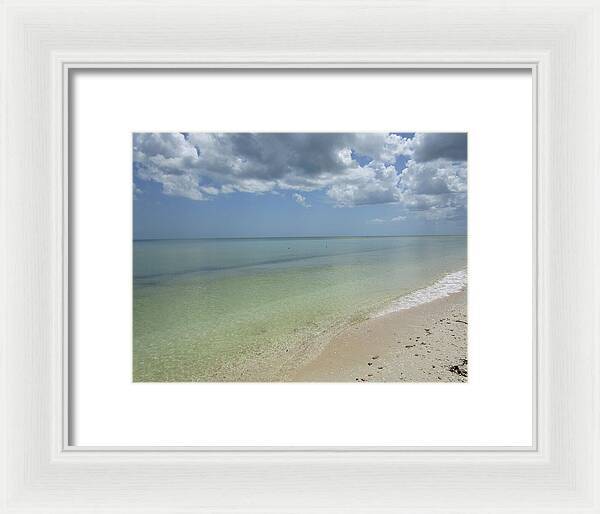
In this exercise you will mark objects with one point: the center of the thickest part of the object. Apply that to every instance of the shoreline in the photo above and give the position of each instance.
(424, 343)
(418, 337)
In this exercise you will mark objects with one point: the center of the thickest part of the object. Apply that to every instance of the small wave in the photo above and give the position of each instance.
(451, 283)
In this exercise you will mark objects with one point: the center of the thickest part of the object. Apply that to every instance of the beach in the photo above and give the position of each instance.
(300, 309)
(425, 343)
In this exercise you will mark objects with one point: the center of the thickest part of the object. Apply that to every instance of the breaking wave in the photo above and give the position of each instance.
(451, 283)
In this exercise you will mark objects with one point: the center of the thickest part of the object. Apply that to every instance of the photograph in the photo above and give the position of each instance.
(299, 257)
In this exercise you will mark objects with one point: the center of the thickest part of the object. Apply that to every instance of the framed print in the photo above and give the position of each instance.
(300, 257)
(276, 297)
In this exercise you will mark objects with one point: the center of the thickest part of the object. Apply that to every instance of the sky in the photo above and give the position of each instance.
(194, 185)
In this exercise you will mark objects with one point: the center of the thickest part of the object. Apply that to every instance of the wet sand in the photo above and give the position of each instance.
(427, 343)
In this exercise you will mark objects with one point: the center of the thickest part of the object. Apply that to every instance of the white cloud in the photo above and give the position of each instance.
(167, 145)
(372, 184)
(352, 169)
(391, 220)
(434, 177)
(439, 187)
(301, 200)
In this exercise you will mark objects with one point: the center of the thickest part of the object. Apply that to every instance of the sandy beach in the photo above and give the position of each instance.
(427, 343)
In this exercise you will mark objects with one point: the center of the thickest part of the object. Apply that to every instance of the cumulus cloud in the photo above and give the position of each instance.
(432, 146)
(434, 177)
(300, 200)
(425, 172)
(372, 184)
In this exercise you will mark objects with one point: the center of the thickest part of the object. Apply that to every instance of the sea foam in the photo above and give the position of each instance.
(451, 283)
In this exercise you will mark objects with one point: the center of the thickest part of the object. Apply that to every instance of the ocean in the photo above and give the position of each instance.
(250, 309)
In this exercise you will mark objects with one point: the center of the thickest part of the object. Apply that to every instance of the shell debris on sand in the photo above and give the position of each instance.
(438, 329)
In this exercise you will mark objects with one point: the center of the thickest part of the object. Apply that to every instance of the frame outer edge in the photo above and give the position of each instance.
(3, 261)
(596, 245)
(591, 472)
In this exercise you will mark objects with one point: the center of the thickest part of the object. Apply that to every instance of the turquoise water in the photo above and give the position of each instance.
(247, 309)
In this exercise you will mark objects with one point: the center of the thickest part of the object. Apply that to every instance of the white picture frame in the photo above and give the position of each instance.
(43, 41)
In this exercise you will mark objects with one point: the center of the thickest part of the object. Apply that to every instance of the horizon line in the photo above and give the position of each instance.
(289, 237)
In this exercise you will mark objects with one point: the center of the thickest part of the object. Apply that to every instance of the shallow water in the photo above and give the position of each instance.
(203, 309)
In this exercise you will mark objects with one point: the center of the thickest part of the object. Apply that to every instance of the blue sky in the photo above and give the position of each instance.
(307, 184)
